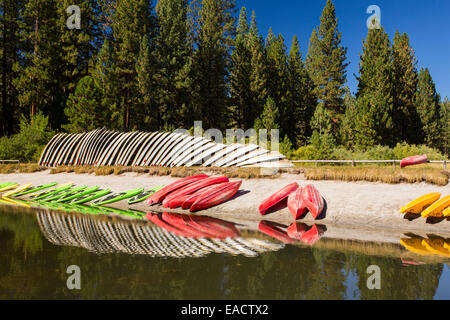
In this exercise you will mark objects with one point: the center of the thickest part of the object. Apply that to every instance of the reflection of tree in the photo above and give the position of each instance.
(397, 282)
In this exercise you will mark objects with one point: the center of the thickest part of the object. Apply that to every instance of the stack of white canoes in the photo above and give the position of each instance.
(103, 147)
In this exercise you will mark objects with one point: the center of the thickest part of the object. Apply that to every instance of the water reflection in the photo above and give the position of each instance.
(106, 236)
(431, 246)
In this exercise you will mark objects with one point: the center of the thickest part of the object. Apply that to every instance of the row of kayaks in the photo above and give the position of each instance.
(71, 194)
(429, 205)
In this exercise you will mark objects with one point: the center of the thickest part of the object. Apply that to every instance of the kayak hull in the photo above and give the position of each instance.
(437, 209)
(414, 160)
(217, 197)
(159, 196)
(313, 200)
(296, 205)
(277, 198)
(418, 205)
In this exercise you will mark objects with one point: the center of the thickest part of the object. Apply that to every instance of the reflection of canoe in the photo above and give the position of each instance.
(219, 228)
(274, 230)
(159, 196)
(313, 200)
(414, 160)
(304, 233)
(415, 245)
(436, 246)
(437, 208)
(277, 197)
(64, 193)
(158, 221)
(418, 205)
(296, 205)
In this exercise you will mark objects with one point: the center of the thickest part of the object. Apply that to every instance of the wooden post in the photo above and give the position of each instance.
(316, 164)
(445, 164)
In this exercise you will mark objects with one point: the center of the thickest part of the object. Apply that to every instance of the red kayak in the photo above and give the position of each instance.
(296, 205)
(304, 233)
(274, 230)
(176, 199)
(159, 196)
(184, 223)
(217, 197)
(297, 230)
(277, 198)
(414, 160)
(191, 198)
(313, 200)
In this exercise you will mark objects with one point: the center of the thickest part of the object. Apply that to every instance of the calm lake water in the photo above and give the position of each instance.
(139, 260)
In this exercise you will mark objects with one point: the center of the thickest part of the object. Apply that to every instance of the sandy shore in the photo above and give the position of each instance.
(372, 206)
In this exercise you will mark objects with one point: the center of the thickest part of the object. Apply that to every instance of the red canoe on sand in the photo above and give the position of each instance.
(313, 200)
(219, 196)
(414, 160)
(176, 199)
(273, 230)
(191, 198)
(159, 196)
(277, 198)
(296, 205)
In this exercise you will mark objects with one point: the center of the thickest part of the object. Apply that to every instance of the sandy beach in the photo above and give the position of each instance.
(370, 206)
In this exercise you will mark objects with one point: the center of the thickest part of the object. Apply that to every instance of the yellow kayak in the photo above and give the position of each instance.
(34, 195)
(415, 245)
(8, 187)
(437, 208)
(16, 190)
(446, 212)
(436, 246)
(421, 203)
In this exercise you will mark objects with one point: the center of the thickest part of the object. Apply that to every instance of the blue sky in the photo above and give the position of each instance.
(426, 22)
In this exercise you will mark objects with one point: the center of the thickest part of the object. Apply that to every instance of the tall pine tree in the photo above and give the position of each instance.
(375, 92)
(216, 27)
(405, 118)
(430, 111)
(326, 65)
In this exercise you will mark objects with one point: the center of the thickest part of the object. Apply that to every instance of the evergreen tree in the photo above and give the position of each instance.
(240, 71)
(405, 118)
(276, 68)
(326, 64)
(322, 137)
(132, 21)
(9, 14)
(300, 100)
(430, 111)
(375, 92)
(212, 60)
(269, 117)
(348, 121)
(84, 108)
(172, 59)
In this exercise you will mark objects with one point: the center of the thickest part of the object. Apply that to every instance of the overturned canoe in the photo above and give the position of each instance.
(313, 200)
(159, 196)
(277, 197)
(437, 208)
(296, 205)
(216, 197)
(418, 205)
(414, 160)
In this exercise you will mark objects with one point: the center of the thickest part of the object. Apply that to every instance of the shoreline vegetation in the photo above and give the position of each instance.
(428, 173)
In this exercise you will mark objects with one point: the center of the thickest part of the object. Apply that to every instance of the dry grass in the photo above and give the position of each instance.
(20, 168)
(386, 175)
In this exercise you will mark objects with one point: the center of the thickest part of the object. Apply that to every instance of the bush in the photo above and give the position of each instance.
(27, 145)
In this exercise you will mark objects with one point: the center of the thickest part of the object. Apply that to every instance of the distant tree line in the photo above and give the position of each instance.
(139, 65)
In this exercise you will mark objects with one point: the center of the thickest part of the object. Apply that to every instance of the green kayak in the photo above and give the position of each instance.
(144, 195)
(7, 184)
(90, 197)
(36, 189)
(118, 197)
(52, 192)
(64, 193)
(78, 194)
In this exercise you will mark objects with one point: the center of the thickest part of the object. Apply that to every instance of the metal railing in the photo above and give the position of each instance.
(355, 162)
(10, 161)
